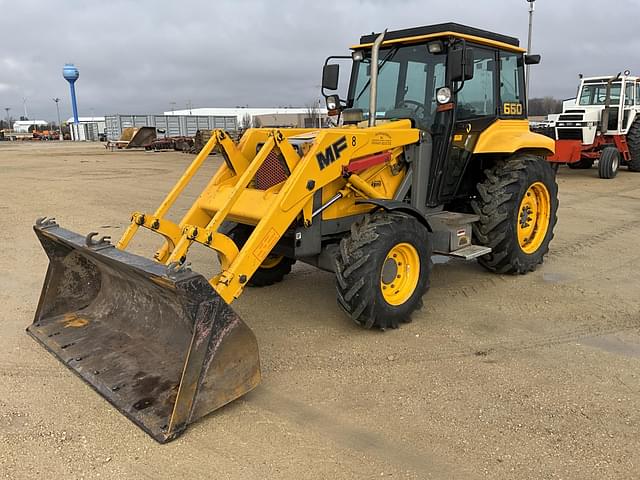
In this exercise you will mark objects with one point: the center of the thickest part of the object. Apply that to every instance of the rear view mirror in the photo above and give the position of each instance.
(460, 64)
(532, 59)
(330, 74)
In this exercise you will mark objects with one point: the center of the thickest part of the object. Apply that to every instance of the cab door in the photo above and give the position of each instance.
(476, 107)
(628, 105)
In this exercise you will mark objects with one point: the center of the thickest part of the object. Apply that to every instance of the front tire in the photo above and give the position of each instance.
(382, 270)
(272, 270)
(609, 162)
(633, 141)
(517, 204)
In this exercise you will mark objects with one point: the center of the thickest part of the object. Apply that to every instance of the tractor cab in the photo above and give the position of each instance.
(613, 95)
(458, 84)
(426, 70)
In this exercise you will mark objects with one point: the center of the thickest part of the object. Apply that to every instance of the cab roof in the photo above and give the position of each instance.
(605, 79)
(417, 34)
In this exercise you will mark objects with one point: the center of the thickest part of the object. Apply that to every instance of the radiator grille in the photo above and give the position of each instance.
(570, 117)
(569, 134)
(273, 171)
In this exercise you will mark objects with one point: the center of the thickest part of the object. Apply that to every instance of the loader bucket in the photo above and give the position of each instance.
(158, 343)
(142, 137)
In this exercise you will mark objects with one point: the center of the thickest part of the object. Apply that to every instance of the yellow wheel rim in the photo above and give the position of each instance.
(400, 274)
(271, 261)
(533, 217)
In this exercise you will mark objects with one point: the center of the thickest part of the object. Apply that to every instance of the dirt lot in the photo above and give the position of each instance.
(497, 377)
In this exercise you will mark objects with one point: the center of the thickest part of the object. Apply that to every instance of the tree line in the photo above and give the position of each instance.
(539, 107)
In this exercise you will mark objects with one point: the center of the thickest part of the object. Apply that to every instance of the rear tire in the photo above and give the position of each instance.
(517, 204)
(609, 162)
(273, 269)
(633, 141)
(383, 269)
(583, 164)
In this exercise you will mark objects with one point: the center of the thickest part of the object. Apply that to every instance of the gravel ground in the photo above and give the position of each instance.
(498, 377)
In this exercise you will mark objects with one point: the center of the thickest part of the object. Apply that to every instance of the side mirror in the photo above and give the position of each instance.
(532, 59)
(330, 74)
(460, 64)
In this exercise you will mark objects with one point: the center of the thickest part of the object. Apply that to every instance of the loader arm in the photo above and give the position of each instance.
(230, 195)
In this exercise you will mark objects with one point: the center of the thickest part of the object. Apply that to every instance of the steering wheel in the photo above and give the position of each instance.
(602, 98)
(418, 108)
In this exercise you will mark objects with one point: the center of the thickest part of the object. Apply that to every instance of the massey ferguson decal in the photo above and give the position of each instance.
(332, 153)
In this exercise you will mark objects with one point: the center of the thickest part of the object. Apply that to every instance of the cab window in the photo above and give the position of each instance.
(511, 83)
(628, 93)
(477, 97)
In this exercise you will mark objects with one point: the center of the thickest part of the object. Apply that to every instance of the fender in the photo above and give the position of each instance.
(509, 136)
(397, 206)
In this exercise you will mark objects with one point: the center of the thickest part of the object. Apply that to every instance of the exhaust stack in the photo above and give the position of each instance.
(373, 98)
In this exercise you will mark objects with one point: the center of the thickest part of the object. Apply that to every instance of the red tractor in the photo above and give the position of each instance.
(602, 125)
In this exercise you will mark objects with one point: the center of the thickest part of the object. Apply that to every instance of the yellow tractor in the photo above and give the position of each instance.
(433, 155)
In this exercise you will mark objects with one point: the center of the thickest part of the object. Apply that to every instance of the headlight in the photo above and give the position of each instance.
(333, 102)
(435, 47)
(443, 95)
(357, 56)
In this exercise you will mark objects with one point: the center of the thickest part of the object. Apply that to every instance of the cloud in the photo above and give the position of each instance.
(138, 57)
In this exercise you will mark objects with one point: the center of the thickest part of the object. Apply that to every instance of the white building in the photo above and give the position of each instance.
(89, 128)
(277, 114)
(23, 126)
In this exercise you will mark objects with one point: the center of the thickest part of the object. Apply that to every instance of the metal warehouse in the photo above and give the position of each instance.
(172, 125)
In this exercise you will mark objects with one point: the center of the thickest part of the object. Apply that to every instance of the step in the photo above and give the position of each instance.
(470, 252)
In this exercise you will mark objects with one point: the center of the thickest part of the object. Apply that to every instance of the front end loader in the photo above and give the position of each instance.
(433, 155)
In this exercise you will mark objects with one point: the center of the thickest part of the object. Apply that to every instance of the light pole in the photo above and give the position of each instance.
(58, 112)
(531, 9)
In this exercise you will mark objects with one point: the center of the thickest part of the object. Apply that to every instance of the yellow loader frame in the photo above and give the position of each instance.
(230, 196)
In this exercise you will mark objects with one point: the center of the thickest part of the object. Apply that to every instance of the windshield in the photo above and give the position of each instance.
(596, 93)
(407, 81)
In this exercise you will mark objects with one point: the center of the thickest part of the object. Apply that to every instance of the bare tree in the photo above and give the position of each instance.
(313, 114)
(544, 106)
(246, 122)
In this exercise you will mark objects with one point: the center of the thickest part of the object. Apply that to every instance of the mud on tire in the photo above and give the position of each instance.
(498, 204)
(359, 268)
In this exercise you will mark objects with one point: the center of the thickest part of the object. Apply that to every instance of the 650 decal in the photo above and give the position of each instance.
(512, 108)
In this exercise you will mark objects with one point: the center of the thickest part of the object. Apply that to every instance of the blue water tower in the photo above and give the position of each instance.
(71, 74)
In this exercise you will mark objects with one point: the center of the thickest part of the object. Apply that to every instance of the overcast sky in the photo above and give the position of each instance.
(138, 57)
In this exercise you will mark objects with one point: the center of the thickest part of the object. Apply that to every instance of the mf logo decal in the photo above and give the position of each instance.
(332, 153)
